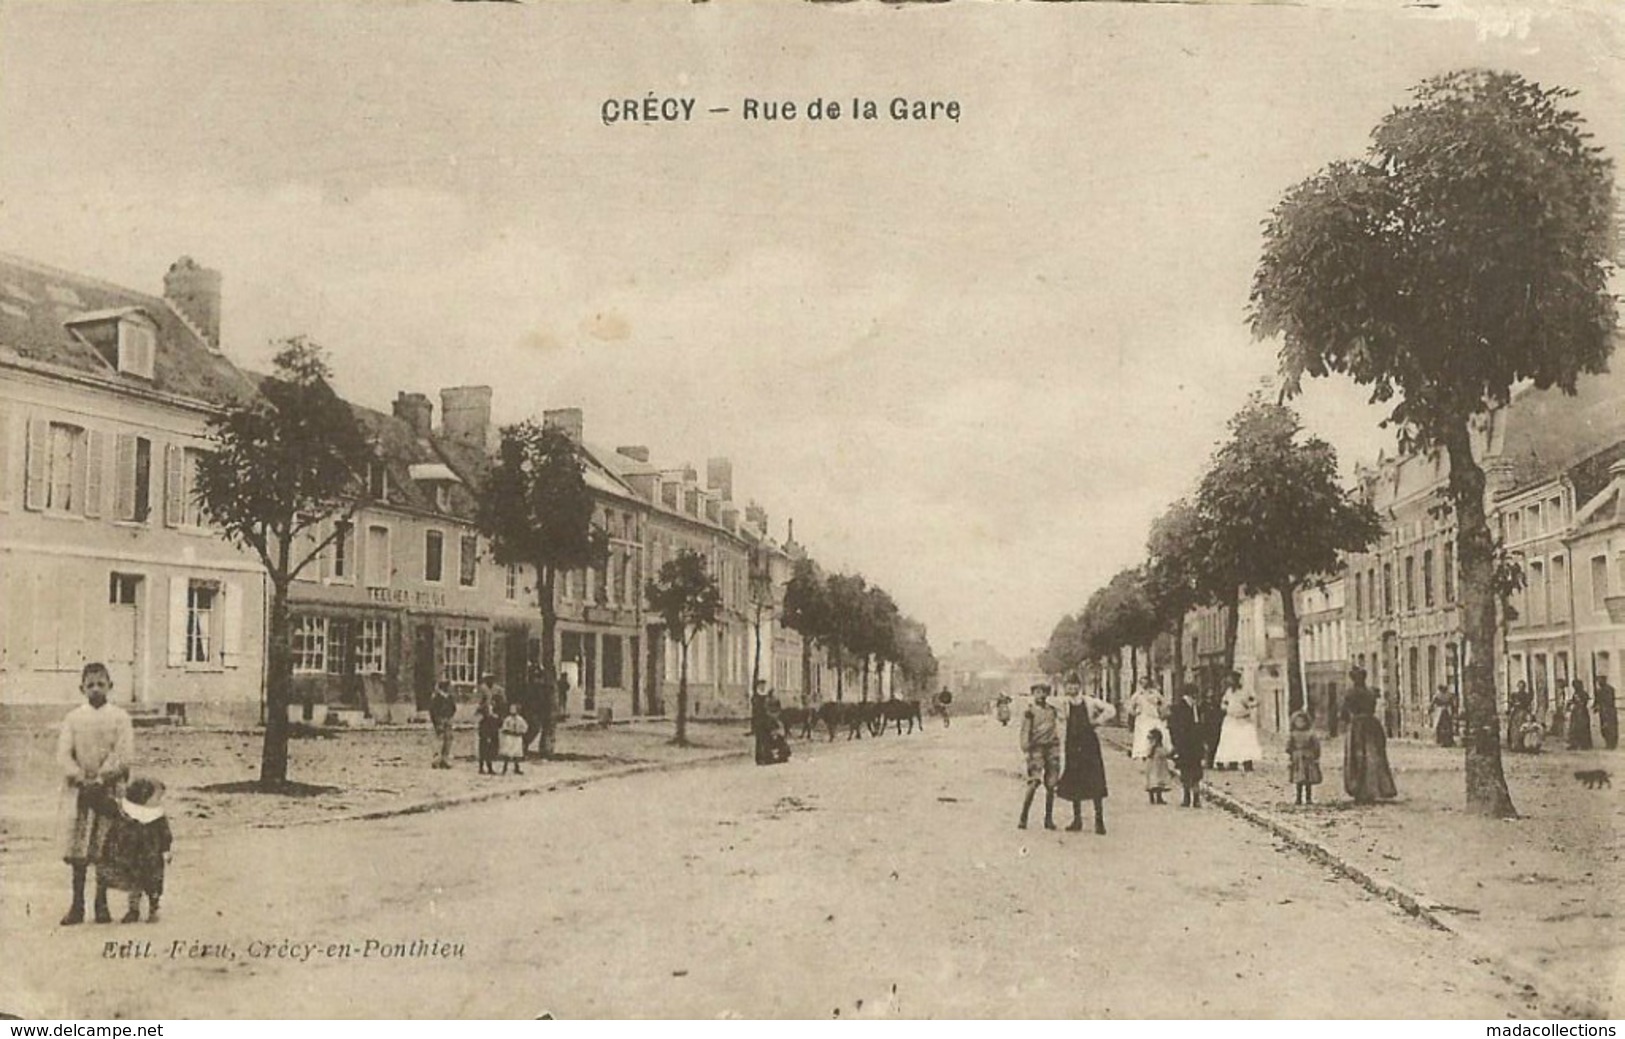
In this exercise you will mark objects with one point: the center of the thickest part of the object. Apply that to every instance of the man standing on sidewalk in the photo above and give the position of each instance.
(442, 708)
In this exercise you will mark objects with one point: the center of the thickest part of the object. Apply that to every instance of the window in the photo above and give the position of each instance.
(612, 662)
(1433, 669)
(200, 604)
(1533, 525)
(1554, 513)
(1449, 571)
(378, 563)
(132, 458)
(371, 652)
(63, 461)
(1560, 589)
(468, 555)
(510, 590)
(460, 664)
(338, 645)
(1514, 527)
(1537, 592)
(612, 589)
(1599, 584)
(137, 347)
(309, 642)
(377, 481)
(434, 548)
(121, 589)
(1387, 589)
(1427, 578)
(338, 552)
(1410, 584)
(183, 507)
(1414, 673)
(442, 497)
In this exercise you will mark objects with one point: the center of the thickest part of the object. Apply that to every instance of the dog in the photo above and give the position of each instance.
(1594, 778)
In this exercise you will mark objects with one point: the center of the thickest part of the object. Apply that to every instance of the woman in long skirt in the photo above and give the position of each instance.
(1579, 719)
(1149, 708)
(1366, 775)
(1083, 776)
(1238, 740)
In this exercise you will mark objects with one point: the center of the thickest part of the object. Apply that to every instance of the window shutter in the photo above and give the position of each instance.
(328, 553)
(231, 640)
(39, 463)
(124, 477)
(95, 471)
(174, 486)
(177, 620)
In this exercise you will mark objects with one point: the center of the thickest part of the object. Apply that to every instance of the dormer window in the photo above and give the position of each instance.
(442, 497)
(137, 346)
(377, 481)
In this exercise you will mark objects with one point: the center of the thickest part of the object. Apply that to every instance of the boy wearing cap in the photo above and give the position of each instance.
(1041, 742)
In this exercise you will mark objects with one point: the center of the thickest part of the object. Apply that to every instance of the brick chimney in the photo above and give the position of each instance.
(638, 453)
(719, 477)
(416, 410)
(195, 292)
(568, 420)
(465, 416)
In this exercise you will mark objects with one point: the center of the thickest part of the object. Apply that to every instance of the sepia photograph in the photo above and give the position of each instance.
(866, 509)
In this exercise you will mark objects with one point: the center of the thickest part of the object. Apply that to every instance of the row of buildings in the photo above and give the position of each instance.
(1555, 468)
(104, 554)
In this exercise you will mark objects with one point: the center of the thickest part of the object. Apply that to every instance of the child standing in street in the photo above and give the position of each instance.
(490, 734)
(513, 741)
(1303, 748)
(93, 751)
(1158, 776)
(138, 849)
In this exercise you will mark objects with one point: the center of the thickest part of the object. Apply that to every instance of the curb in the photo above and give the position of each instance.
(1560, 1000)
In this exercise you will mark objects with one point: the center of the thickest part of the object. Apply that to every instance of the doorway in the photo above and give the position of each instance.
(424, 670)
(123, 651)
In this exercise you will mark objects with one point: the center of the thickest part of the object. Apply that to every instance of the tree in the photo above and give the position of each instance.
(282, 464)
(763, 600)
(1173, 574)
(1064, 652)
(845, 595)
(806, 611)
(1282, 513)
(686, 598)
(915, 658)
(1469, 252)
(536, 511)
(881, 618)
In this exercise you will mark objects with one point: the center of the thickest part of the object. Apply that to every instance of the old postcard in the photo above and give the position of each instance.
(802, 511)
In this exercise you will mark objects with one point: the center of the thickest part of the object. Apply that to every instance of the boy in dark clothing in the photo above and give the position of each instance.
(1185, 732)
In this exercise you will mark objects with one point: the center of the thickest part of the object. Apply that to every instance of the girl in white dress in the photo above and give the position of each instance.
(1238, 742)
(1149, 708)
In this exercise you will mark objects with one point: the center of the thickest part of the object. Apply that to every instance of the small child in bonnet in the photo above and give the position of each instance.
(137, 848)
(1303, 748)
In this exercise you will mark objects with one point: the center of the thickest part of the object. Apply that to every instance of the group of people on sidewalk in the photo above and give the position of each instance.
(1183, 740)
(501, 727)
(1569, 718)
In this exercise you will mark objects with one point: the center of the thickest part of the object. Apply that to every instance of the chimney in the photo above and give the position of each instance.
(730, 517)
(756, 516)
(465, 416)
(195, 292)
(719, 477)
(567, 420)
(416, 411)
(637, 453)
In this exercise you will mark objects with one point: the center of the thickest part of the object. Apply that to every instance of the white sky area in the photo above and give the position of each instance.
(972, 361)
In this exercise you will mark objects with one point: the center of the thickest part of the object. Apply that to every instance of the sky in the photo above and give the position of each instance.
(972, 359)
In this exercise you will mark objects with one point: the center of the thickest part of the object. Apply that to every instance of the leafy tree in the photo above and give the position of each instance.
(1470, 251)
(1282, 513)
(536, 511)
(806, 611)
(846, 595)
(880, 618)
(1173, 573)
(1065, 651)
(915, 658)
(282, 464)
(686, 598)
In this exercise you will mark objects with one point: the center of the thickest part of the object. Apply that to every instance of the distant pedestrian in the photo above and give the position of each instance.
(1158, 776)
(512, 741)
(1084, 778)
(138, 849)
(1579, 719)
(1444, 718)
(490, 731)
(93, 750)
(1185, 738)
(760, 724)
(1212, 722)
(1558, 726)
(1366, 775)
(1607, 713)
(442, 708)
(1001, 708)
(1303, 750)
(1148, 707)
(1041, 744)
(1520, 710)
(1238, 740)
(944, 699)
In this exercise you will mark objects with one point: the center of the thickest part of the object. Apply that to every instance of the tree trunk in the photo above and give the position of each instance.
(756, 664)
(546, 714)
(1232, 624)
(1486, 792)
(866, 678)
(1294, 659)
(840, 675)
(1179, 655)
(278, 688)
(1133, 669)
(681, 739)
(806, 670)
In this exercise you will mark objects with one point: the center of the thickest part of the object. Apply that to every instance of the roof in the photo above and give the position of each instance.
(37, 303)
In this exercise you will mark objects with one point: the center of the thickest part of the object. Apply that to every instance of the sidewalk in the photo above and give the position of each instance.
(381, 771)
(1541, 896)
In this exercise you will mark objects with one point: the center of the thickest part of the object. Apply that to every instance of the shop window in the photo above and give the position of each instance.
(372, 647)
(309, 643)
(460, 662)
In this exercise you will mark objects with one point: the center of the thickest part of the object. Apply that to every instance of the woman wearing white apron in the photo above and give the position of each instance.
(1238, 742)
(1149, 708)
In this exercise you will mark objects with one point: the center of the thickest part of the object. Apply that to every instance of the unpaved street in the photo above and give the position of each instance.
(733, 890)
